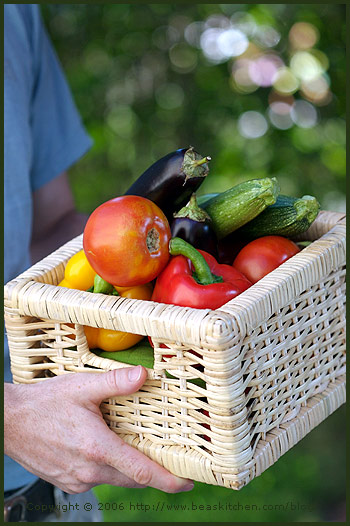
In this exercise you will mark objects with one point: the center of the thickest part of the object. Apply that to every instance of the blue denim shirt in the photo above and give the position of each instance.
(43, 137)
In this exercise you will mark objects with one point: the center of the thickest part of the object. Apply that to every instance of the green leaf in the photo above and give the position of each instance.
(140, 354)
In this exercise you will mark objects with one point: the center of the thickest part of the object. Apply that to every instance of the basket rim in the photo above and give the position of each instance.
(246, 310)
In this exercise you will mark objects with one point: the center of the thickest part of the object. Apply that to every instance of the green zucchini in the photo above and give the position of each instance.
(288, 217)
(201, 199)
(232, 209)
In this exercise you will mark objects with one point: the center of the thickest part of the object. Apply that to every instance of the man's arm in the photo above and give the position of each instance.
(55, 218)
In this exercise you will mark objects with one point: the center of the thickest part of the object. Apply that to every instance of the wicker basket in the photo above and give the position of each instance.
(272, 359)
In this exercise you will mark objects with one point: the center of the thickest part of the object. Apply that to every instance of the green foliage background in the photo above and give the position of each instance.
(143, 90)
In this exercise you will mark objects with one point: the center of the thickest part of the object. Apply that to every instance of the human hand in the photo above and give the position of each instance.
(55, 429)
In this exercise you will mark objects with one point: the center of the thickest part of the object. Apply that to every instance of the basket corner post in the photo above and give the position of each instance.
(229, 430)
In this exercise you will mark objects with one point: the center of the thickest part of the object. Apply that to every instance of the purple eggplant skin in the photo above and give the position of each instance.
(171, 180)
(229, 247)
(199, 234)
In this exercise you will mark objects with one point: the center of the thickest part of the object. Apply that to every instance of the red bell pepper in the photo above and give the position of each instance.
(193, 278)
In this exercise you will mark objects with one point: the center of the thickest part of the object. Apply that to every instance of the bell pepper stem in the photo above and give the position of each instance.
(102, 286)
(204, 276)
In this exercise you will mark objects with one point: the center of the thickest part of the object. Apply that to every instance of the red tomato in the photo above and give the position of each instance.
(261, 256)
(126, 240)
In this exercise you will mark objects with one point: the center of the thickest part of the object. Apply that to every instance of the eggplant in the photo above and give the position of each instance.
(193, 225)
(229, 247)
(171, 180)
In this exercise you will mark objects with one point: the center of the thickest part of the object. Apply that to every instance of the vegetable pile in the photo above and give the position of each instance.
(162, 242)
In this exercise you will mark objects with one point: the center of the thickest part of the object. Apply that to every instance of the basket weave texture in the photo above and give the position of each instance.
(272, 359)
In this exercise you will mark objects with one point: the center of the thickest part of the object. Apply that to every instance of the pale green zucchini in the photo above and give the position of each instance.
(233, 208)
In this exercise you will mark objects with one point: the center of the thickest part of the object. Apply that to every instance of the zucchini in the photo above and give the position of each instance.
(234, 208)
(201, 199)
(288, 217)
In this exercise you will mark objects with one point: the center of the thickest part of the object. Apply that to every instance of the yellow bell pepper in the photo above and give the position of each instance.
(80, 275)
(109, 340)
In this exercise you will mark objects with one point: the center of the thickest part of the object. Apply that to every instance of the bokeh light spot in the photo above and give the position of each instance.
(193, 34)
(165, 36)
(321, 57)
(304, 114)
(303, 35)
(232, 42)
(244, 22)
(252, 124)
(183, 57)
(263, 70)
(170, 96)
(210, 47)
(122, 120)
(279, 115)
(274, 96)
(305, 66)
(267, 36)
(335, 131)
(241, 78)
(217, 20)
(317, 90)
(334, 157)
(97, 61)
(285, 81)
(219, 44)
(307, 140)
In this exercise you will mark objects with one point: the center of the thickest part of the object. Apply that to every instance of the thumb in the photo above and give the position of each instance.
(118, 382)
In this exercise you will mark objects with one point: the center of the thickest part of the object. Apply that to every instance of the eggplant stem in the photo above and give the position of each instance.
(202, 161)
(193, 211)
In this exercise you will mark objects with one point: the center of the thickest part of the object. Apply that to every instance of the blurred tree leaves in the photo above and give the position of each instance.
(145, 87)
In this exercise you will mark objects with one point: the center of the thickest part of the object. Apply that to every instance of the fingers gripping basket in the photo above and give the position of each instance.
(270, 363)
